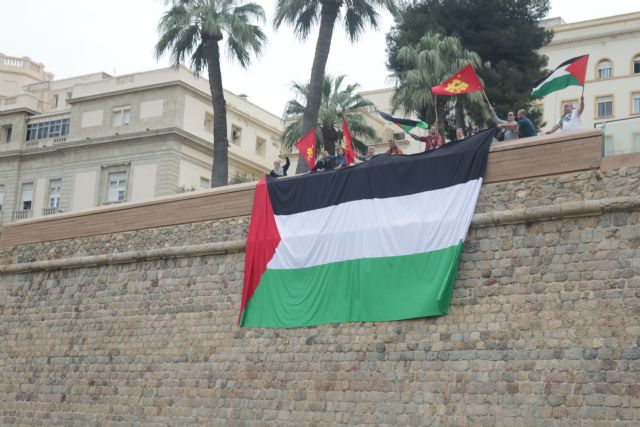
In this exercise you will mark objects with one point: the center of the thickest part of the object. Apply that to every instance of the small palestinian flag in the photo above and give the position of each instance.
(569, 73)
(377, 241)
(405, 124)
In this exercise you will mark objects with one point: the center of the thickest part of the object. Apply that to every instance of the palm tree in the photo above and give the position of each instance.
(303, 15)
(428, 63)
(337, 102)
(195, 28)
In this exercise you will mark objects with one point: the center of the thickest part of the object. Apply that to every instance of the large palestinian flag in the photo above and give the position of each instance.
(570, 73)
(377, 241)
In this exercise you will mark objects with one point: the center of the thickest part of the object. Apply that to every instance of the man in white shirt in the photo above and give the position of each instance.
(570, 120)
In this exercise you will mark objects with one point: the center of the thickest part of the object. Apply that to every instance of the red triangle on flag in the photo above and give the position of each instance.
(579, 68)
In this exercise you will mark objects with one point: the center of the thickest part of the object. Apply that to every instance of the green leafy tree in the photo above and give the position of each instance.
(428, 63)
(196, 28)
(337, 101)
(303, 15)
(505, 33)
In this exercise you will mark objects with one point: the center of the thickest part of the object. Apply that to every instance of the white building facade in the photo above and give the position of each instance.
(93, 140)
(612, 86)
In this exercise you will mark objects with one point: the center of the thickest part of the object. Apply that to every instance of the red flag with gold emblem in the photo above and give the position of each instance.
(307, 147)
(349, 152)
(464, 81)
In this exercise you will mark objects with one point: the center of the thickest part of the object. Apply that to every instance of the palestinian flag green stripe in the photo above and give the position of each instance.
(558, 83)
(388, 288)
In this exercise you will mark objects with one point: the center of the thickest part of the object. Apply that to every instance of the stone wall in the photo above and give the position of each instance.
(544, 328)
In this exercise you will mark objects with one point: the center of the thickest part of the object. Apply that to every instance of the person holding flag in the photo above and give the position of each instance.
(571, 72)
(570, 120)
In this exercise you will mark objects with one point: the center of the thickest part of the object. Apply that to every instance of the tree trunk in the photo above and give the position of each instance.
(328, 13)
(220, 169)
(330, 136)
(459, 112)
(440, 108)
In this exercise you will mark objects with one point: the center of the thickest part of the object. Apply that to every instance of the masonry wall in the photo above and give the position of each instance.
(543, 329)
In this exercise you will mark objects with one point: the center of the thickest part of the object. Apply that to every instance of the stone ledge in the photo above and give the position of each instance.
(126, 257)
(514, 216)
(551, 212)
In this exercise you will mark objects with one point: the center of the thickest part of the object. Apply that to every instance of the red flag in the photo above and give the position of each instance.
(307, 148)
(349, 153)
(464, 81)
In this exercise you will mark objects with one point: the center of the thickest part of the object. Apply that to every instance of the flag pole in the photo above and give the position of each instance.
(435, 108)
(486, 98)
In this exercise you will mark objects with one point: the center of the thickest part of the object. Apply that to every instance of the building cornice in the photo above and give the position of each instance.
(203, 145)
(617, 34)
(590, 23)
(203, 95)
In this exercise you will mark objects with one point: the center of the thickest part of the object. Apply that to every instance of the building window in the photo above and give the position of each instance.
(604, 69)
(1, 196)
(636, 65)
(236, 133)
(205, 182)
(208, 122)
(56, 99)
(117, 189)
(6, 133)
(121, 116)
(67, 98)
(50, 129)
(608, 145)
(27, 196)
(635, 103)
(261, 146)
(605, 106)
(55, 187)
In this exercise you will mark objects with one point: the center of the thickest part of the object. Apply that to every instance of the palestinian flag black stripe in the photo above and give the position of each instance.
(383, 176)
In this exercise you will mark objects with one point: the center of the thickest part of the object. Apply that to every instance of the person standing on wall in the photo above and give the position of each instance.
(570, 120)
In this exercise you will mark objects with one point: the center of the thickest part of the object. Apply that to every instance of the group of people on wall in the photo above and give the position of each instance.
(513, 127)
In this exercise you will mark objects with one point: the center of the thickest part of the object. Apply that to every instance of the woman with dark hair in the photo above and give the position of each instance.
(393, 148)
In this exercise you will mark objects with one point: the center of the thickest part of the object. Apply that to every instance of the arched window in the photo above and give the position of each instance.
(636, 65)
(605, 69)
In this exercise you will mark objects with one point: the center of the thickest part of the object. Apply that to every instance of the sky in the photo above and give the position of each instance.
(75, 37)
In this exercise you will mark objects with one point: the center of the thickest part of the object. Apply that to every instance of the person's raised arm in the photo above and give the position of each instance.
(553, 129)
(581, 106)
(286, 164)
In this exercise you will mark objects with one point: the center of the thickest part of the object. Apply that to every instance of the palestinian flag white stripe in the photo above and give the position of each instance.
(374, 228)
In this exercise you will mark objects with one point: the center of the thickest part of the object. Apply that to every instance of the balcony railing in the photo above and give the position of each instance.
(32, 145)
(17, 215)
(129, 78)
(114, 202)
(25, 100)
(620, 136)
(51, 211)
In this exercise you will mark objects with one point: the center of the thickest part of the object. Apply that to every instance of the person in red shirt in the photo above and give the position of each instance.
(393, 148)
(432, 141)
